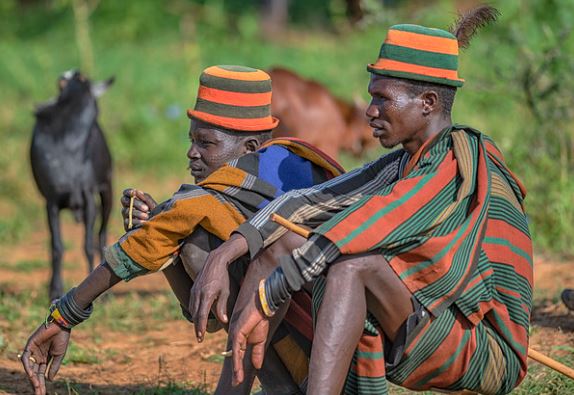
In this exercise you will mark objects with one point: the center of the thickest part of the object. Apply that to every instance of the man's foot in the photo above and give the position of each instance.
(568, 298)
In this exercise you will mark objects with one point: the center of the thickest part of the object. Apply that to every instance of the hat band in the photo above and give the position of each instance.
(422, 71)
(241, 124)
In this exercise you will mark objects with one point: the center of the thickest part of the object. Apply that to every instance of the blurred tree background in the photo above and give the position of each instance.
(518, 81)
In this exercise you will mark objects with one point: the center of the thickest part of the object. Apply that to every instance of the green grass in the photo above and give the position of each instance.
(157, 50)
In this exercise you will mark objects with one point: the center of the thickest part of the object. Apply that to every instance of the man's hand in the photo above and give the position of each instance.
(212, 283)
(46, 346)
(252, 327)
(143, 204)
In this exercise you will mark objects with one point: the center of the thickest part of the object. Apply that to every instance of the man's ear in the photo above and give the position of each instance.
(251, 145)
(430, 102)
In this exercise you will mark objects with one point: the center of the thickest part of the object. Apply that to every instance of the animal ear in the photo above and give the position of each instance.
(100, 87)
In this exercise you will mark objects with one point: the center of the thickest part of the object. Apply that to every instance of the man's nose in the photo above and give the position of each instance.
(372, 111)
(192, 152)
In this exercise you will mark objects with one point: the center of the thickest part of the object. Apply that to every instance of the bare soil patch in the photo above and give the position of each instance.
(143, 360)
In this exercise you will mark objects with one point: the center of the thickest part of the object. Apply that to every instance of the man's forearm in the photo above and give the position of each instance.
(97, 282)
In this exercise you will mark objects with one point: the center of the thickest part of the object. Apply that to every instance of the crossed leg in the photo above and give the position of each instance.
(355, 284)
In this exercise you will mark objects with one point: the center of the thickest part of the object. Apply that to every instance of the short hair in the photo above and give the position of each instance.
(445, 93)
(261, 136)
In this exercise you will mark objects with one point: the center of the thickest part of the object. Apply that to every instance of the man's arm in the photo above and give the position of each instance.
(315, 205)
(48, 344)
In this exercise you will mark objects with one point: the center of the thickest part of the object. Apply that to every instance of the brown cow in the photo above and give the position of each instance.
(309, 111)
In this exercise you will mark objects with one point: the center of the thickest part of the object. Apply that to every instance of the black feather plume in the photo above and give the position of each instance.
(468, 23)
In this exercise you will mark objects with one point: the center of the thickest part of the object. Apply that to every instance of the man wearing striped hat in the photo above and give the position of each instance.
(422, 260)
(238, 170)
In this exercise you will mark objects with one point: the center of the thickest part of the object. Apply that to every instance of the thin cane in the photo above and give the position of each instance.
(131, 212)
(533, 354)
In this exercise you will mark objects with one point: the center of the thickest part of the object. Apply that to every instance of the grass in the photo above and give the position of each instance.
(157, 50)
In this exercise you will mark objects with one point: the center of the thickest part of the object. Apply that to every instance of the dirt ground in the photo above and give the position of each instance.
(172, 355)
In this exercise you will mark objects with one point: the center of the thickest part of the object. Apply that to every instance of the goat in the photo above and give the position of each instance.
(71, 162)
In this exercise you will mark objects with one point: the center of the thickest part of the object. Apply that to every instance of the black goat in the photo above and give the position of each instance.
(71, 163)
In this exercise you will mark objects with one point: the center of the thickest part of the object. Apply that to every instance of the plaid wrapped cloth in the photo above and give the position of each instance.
(220, 203)
(450, 222)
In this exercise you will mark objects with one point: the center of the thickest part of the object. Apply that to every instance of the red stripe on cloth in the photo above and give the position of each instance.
(366, 367)
(442, 354)
(502, 229)
(394, 218)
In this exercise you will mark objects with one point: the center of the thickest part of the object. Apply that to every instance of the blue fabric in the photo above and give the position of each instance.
(283, 169)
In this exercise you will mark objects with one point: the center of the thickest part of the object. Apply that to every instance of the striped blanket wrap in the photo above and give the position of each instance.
(220, 203)
(453, 229)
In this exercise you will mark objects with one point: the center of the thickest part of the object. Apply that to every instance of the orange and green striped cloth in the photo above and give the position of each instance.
(450, 222)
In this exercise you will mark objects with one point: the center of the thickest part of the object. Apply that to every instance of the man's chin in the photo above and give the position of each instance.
(388, 144)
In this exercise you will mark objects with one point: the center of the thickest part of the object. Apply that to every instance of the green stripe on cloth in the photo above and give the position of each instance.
(418, 57)
(513, 248)
(394, 205)
(448, 362)
(423, 30)
(240, 86)
(228, 111)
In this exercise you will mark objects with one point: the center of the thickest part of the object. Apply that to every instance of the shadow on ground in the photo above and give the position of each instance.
(16, 382)
(552, 315)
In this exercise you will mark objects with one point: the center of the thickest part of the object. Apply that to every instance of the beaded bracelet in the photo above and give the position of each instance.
(66, 313)
(263, 300)
(54, 315)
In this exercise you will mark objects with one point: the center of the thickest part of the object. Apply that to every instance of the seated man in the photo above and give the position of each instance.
(423, 257)
(231, 120)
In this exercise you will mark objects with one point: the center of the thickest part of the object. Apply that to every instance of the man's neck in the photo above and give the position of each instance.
(434, 127)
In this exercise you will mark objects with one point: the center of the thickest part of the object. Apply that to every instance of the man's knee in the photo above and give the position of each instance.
(356, 266)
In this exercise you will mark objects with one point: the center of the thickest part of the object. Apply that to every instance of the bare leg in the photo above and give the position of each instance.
(355, 284)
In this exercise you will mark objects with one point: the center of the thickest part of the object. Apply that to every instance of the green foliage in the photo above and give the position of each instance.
(157, 50)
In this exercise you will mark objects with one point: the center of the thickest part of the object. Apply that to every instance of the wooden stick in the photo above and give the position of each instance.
(130, 212)
(533, 354)
(301, 231)
(551, 363)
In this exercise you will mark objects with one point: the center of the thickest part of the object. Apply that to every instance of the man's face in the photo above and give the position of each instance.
(210, 149)
(395, 115)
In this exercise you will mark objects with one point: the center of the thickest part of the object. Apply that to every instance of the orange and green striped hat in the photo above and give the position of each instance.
(234, 97)
(419, 53)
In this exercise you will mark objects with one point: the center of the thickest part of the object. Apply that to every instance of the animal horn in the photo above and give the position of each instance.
(469, 22)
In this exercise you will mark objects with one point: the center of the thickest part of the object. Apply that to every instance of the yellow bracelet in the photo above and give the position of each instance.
(263, 300)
